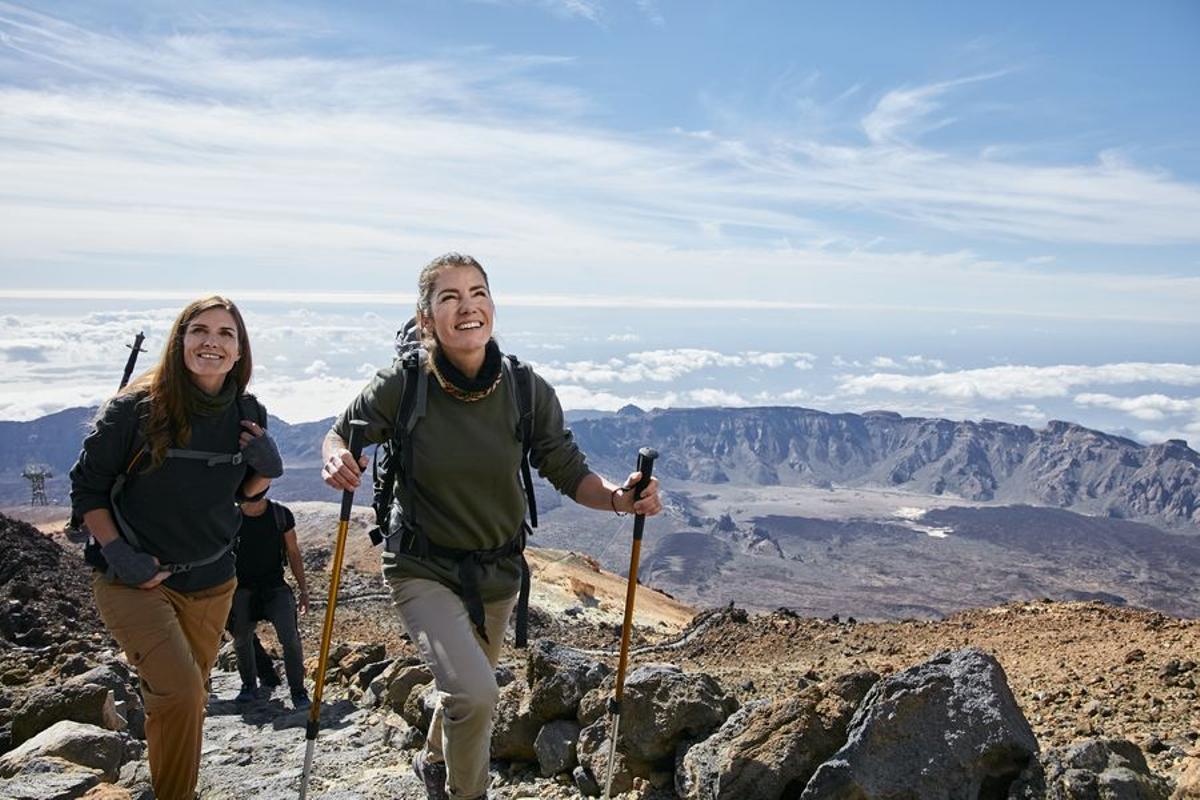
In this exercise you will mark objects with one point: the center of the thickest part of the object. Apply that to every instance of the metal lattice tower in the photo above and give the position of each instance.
(37, 475)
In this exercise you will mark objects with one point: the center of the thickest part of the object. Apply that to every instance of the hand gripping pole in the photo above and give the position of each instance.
(357, 428)
(645, 465)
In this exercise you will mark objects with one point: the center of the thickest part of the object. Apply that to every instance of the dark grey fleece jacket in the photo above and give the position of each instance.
(181, 511)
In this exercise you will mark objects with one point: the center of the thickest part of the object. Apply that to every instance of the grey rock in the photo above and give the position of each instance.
(43, 707)
(49, 778)
(419, 707)
(586, 783)
(947, 729)
(663, 705)
(558, 679)
(401, 680)
(1093, 769)
(770, 749)
(86, 745)
(363, 678)
(516, 728)
(555, 747)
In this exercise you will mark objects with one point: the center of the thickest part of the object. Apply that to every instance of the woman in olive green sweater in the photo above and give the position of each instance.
(466, 500)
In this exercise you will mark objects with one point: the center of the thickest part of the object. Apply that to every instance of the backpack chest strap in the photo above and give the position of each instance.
(209, 458)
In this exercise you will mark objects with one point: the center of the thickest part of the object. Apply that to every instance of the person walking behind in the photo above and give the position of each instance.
(454, 563)
(156, 485)
(266, 539)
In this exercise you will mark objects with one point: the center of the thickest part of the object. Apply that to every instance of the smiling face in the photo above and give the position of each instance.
(210, 348)
(461, 314)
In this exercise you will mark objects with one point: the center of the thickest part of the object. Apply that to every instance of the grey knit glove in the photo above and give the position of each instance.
(262, 454)
(127, 565)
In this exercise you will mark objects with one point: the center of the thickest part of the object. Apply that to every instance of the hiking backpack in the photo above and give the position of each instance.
(395, 458)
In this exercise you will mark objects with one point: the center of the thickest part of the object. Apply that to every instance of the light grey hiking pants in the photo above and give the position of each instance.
(463, 668)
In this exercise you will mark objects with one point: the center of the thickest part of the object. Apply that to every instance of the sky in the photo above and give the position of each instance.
(959, 210)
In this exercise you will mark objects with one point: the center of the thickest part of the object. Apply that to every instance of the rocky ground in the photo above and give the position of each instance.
(1076, 670)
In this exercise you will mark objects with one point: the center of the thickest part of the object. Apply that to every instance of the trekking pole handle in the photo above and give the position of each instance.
(358, 429)
(645, 465)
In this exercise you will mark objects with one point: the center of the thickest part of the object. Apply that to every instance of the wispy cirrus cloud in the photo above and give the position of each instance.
(242, 154)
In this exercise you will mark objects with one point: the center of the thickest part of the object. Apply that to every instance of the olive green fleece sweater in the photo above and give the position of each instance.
(467, 492)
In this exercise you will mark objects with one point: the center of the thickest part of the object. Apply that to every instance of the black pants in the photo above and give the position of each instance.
(278, 608)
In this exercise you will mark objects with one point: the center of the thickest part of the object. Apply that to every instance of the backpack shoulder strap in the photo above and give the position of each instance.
(279, 515)
(249, 408)
(521, 386)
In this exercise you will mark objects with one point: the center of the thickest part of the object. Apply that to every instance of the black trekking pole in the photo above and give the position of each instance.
(357, 428)
(76, 520)
(134, 349)
(645, 465)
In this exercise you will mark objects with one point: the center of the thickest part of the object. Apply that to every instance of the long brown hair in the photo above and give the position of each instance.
(165, 384)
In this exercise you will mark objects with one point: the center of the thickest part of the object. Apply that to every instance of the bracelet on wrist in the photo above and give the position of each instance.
(612, 500)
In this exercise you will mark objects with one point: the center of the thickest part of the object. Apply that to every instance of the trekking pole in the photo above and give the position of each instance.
(134, 349)
(357, 427)
(645, 465)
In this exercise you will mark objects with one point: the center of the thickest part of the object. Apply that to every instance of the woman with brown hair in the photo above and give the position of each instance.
(453, 561)
(156, 484)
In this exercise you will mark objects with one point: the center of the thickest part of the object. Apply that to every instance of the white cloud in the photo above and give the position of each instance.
(1150, 407)
(623, 337)
(308, 399)
(716, 397)
(883, 362)
(665, 366)
(316, 369)
(1004, 383)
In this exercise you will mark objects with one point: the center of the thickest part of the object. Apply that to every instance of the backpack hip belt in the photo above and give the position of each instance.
(470, 563)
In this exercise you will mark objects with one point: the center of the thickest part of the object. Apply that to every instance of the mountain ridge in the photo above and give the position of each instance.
(1063, 465)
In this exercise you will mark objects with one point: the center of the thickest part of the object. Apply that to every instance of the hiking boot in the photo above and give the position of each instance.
(300, 701)
(248, 694)
(432, 774)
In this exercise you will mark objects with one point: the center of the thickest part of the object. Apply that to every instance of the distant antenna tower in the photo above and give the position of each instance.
(37, 475)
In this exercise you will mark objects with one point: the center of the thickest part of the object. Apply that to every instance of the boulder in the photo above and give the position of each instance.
(368, 673)
(357, 656)
(401, 680)
(86, 745)
(592, 752)
(558, 679)
(1093, 769)
(418, 708)
(948, 729)
(49, 779)
(770, 749)
(555, 747)
(89, 703)
(663, 705)
(515, 728)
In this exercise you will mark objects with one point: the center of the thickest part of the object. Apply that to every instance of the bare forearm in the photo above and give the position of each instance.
(595, 491)
(297, 565)
(255, 485)
(100, 524)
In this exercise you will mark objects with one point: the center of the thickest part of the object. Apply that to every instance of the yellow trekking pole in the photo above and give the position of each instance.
(645, 465)
(357, 428)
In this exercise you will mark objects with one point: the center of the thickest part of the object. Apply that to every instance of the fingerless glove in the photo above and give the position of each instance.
(127, 565)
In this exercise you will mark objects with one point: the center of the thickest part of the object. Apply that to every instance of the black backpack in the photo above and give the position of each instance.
(395, 457)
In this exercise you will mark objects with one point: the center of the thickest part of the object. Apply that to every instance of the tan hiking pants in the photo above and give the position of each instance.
(463, 667)
(172, 638)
